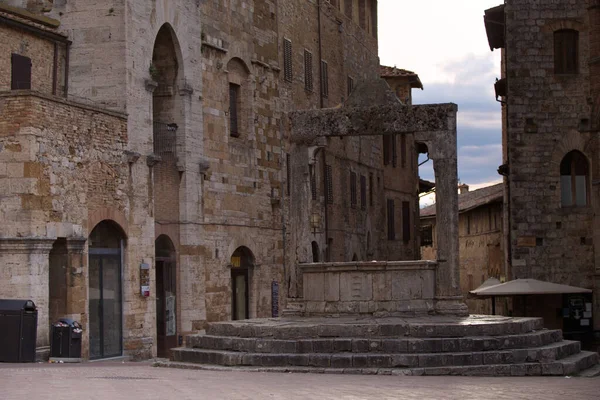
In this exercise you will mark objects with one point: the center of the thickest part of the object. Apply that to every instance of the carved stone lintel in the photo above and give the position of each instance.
(151, 85)
(132, 156)
(153, 159)
(26, 245)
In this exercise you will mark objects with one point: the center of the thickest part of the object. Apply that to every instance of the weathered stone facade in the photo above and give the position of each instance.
(550, 103)
(148, 169)
(481, 245)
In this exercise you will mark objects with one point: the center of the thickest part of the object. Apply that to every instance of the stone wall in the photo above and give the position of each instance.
(548, 115)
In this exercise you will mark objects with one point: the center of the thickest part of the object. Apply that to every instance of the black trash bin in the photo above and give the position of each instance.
(18, 330)
(66, 339)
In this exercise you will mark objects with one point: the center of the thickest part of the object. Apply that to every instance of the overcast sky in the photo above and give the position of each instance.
(445, 43)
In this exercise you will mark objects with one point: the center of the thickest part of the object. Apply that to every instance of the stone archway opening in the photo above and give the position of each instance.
(242, 263)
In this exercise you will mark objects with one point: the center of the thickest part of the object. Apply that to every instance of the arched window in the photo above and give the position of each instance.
(566, 51)
(574, 180)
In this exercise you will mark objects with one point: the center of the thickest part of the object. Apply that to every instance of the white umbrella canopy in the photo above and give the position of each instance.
(527, 286)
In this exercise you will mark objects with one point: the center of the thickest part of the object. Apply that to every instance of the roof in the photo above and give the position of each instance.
(527, 286)
(470, 200)
(393, 72)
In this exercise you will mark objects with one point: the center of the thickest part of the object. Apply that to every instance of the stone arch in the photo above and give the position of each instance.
(572, 140)
(575, 179)
(107, 214)
(239, 98)
(563, 24)
(237, 65)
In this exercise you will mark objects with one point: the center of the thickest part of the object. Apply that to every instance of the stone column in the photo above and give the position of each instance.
(26, 262)
(448, 296)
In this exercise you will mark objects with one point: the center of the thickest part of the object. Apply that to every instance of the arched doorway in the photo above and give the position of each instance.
(166, 295)
(241, 262)
(315, 252)
(105, 290)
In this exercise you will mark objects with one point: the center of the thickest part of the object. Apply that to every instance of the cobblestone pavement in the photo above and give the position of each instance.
(117, 380)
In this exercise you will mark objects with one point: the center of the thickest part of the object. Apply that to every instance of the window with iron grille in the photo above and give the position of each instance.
(350, 85)
(20, 72)
(427, 235)
(324, 79)
(234, 99)
(406, 221)
(566, 51)
(371, 189)
(391, 224)
(313, 183)
(329, 183)
(363, 192)
(287, 60)
(308, 71)
(353, 189)
(403, 150)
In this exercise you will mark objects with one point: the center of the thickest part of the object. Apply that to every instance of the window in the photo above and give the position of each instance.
(288, 167)
(403, 150)
(363, 192)
(371, 189)
(329, 183)
(315, 252)
(350, 85)
(362, 11)
(406, 221)
(566, 51)
(308, 71)
(313, 183)
(20, 72)
(468, 221)
(348, 8)
(394, 151)
(391, 224)
(574, 180)
(427, 235)
(287, 60)
(353, 189)
(234, 109)
(324, 79)
(387, 146)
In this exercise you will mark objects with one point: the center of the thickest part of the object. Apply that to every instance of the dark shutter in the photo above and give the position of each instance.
(348, 8)
(289, 173)
(566, 51)
(20, 72)
(353, 189)
(363, 192)
(287, 60)
(329, 183)
(387, 144)
(394, 151)
(390, 220)
(427, 235)
(350, 85)
(233, 110)
(403, 150)
(308, 71)
(324, 79)
(371, 189)
(313, 183)
(406, 221)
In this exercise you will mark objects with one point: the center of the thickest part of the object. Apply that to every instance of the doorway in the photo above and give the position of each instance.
(105, 291)
(166, 296)
(242, 261)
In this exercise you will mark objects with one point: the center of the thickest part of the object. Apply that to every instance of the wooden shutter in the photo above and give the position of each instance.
(329, 183)
(287, 60)
(387, 144)
(566, 51)
(308, 71)
(20, 72)
(288, 166)
(394, 151)
(348, 8)
(390, 220)
(353, 189)
(313, 183)
(363, 192)
(350, 85)
(406, 221)
(324, 79)
(371, 189)
(403, 150)
(233, 110)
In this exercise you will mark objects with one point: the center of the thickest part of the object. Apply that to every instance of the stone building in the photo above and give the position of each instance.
(480, 237)
(150, 181)
(550, 94)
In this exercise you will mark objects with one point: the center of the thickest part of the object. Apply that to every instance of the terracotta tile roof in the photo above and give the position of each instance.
(393, 72)
(470, 200)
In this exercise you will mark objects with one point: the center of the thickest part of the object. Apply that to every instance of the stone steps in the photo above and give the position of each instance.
(544, 354)
(269, 328)
(568, 366)
(374, 345)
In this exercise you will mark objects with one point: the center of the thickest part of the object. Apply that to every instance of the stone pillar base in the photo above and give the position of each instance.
(451, 306)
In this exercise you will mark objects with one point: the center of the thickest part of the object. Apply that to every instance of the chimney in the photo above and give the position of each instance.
(462, 189)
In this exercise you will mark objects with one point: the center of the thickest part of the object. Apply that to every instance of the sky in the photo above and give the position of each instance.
(445, 43)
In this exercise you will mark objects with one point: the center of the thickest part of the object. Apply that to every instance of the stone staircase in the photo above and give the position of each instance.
(477, 345)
